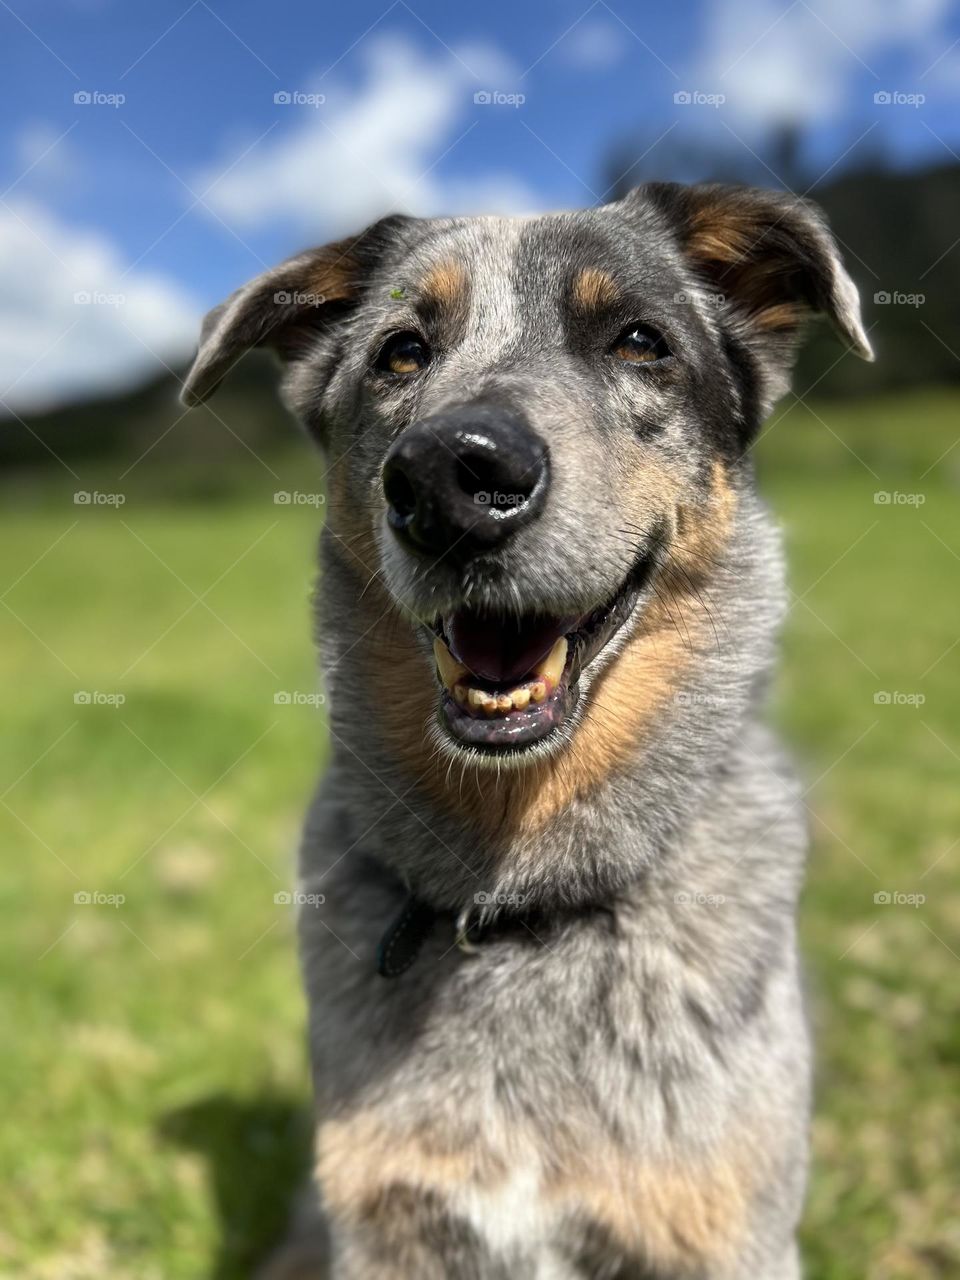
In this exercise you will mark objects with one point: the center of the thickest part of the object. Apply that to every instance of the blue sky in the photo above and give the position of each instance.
(177, 173)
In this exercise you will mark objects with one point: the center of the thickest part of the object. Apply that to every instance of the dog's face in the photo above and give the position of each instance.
(530, 421)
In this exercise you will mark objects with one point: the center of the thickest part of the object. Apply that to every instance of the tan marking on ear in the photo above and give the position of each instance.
(752, 272)
(360, 1156)
(593, 289)
(334, 272)
(446, 285)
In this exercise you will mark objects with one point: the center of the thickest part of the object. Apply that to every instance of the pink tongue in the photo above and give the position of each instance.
(501, 650)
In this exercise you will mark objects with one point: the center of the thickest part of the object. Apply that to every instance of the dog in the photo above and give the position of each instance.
(557, 1024)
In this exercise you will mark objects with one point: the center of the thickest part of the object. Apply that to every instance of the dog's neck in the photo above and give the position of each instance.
(660, 722)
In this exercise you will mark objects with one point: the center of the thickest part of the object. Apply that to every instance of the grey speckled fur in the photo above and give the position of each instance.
(624, 1090)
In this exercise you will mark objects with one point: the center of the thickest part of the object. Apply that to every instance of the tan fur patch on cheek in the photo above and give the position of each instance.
(594, 289)
(704, 528)
(350, 521)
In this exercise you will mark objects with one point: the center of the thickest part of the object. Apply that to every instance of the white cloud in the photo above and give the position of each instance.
(71, 323)
(362, 153)
(800, 64)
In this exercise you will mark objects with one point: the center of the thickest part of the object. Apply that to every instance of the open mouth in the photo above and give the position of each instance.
(509, 682)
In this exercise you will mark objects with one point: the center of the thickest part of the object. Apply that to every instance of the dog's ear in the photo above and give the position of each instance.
(771, 257)
(289, 308)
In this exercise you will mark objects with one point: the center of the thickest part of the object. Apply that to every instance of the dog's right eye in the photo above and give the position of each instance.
(403, 354)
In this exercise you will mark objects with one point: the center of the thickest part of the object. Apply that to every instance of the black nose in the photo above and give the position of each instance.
(463, 481)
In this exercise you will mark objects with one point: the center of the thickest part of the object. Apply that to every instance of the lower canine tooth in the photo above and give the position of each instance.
(552, 666)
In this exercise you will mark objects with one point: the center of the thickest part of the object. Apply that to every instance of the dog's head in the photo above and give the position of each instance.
(528, 419)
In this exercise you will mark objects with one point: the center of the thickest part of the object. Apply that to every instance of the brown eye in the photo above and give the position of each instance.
(403, 354)
(642, 345)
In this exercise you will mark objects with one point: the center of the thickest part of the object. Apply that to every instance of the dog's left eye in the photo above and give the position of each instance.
(403, 354)
(641, 345)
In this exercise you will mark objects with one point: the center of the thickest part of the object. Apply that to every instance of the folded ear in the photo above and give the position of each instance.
(288, 308)
(771, 256)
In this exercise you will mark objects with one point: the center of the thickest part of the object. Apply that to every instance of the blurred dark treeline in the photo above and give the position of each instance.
(898, 231)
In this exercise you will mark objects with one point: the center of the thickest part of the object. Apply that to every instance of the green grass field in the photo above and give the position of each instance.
(154, 1075)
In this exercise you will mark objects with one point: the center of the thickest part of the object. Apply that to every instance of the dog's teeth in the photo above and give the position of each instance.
(551, 668)
(450, 670)
(455, 677)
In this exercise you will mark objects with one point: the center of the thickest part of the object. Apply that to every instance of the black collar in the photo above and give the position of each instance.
(401, 943)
